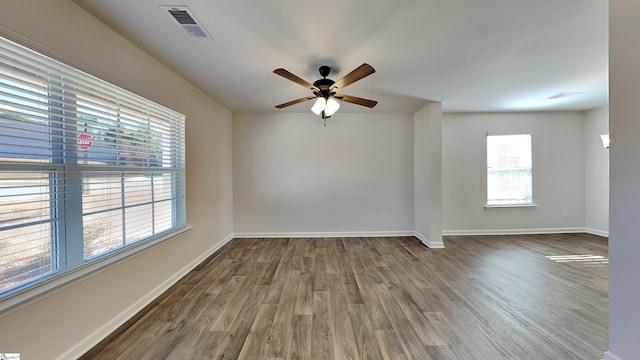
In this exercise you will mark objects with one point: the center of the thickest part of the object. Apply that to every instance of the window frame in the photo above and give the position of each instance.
(515, 204)
(76, 266)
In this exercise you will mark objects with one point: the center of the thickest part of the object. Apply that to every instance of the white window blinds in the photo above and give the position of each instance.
(509, 170)
(86, 168)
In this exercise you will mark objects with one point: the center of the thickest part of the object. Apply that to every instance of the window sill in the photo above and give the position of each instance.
(510, 206)
(38, 291)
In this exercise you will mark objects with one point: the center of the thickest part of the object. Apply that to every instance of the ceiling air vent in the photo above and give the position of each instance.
(184, 18)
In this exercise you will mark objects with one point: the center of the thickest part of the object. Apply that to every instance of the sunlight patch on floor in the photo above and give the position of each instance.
(588, 259)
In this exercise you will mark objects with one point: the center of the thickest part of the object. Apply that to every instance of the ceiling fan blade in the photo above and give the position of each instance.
(287, 75)
(293, 102)
(356, 100)
(357, 74)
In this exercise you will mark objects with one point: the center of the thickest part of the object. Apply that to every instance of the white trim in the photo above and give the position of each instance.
(427, 242)
(94, 338)
(422, 238)
(610, 356)
(37, 292)
(324, 234)
(603, 233)
(513, 231)
(509, 206)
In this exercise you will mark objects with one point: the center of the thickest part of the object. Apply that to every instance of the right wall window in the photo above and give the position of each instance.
(509, 170)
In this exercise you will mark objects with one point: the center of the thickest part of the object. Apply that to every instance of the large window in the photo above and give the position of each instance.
(87, 169)
(509, 170)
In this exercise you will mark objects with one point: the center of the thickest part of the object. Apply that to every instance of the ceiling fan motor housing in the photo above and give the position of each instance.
(324, 85)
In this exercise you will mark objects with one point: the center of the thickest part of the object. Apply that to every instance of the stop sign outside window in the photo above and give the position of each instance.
(84, 141)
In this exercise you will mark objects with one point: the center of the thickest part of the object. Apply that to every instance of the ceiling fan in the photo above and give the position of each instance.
(326, 90)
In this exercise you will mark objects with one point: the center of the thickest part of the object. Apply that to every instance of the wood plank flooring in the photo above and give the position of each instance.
(483, 297)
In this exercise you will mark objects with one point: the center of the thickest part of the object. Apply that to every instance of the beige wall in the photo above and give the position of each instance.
(68, 322)
(292, 176)
(558, 173)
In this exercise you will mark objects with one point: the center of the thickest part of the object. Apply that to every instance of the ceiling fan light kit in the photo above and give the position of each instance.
(328, 106)
(318, 106)
(325, 90)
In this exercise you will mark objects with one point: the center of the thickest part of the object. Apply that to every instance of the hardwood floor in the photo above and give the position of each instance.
(483, 297)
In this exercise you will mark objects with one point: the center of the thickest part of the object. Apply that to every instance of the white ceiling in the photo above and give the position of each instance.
(471, 55)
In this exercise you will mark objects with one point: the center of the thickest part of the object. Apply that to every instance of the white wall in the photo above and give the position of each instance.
(624, 155)
(558, 173)
(67, 323)
(596, 122)
(292, 176)
(428, 174)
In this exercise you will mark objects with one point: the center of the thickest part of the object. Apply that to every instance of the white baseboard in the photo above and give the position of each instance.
(94, 338)
(602, 233)
(324, 234)
(610, 356)
(430, 244)
(422, 238)
(514, 231)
